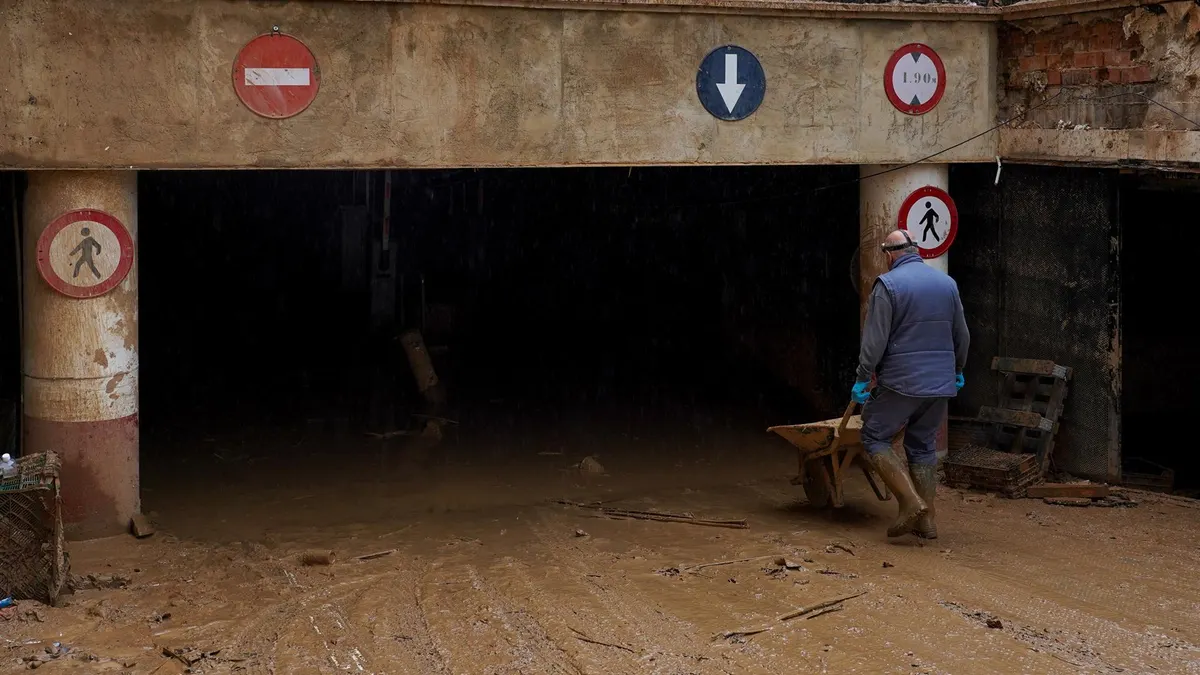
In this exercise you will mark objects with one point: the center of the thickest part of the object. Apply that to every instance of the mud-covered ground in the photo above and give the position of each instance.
(488, 575)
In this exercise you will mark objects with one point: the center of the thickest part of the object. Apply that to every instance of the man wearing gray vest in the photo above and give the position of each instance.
(914, 346)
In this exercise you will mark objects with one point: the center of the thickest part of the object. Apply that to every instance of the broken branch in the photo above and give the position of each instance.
(736, 634)
(584, 638)
(827, 610)
(820, 605)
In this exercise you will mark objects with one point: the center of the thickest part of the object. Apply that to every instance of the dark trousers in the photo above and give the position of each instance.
(887, 412)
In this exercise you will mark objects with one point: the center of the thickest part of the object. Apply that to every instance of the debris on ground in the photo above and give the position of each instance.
(1067, 490)
(1112, 500)
(140, 526)
(739, 636)
(101, 582)
(311, 558)
(836, 546)
(580, 533)
(661, 516)
(590, 465)
(377, 554)
(1068, 501)
(820, 605)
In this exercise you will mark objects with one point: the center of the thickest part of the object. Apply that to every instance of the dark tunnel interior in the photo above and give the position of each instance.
(680, 301)
(587, 301)
(1158, 346)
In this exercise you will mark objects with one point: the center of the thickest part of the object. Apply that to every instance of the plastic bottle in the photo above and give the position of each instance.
(7, 466)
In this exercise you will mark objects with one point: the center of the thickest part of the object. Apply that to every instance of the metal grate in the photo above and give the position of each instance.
(33, 561)
(1043, 285)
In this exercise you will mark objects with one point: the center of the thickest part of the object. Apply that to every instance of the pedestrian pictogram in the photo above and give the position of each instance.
(276, 76)
(84, 253)
(914, 79)
(931, 220)
(731, 83)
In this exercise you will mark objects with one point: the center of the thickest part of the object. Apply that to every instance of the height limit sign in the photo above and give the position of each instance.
(915, 79)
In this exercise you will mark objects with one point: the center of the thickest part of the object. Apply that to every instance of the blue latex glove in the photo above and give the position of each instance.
(959, 381)
(859, 392)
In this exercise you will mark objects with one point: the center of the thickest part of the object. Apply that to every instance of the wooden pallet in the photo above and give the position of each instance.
(1030, 404)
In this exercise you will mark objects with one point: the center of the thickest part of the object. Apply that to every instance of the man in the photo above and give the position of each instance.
(914, 344)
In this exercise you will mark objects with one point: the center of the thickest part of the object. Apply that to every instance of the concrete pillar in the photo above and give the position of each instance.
(80, 361)
(879, 201)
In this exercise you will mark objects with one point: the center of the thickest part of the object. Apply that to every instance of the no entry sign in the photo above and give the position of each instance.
(84, 253)
(276, 76)
(931, 220)
(914, 79)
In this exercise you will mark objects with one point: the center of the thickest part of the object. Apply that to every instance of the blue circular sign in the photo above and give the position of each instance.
(731, 83)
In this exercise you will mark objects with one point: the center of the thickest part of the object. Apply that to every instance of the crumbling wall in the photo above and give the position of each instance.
(1118, 69)
(1039, 276)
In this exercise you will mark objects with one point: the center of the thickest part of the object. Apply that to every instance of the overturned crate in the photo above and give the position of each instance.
(33, 559)
(1006, 473)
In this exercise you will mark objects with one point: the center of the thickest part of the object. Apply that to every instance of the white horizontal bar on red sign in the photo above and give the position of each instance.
(278, 77)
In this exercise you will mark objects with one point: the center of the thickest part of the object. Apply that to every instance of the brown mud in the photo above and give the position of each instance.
(481, 572)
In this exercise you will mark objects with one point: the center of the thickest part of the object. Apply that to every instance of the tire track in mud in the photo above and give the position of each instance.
(361, 624)
(613, 609)
(478, 627)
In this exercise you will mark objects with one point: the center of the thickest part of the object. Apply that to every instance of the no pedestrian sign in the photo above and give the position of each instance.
(84, 253)
(731, 83)
(276, 76)
(914, 79)
(931, 219)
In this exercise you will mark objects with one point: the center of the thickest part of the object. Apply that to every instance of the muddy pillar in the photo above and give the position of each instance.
(80, 342)
(879, 200)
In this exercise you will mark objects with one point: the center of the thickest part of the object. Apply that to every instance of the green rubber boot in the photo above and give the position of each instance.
(924, 478)
(897, 479)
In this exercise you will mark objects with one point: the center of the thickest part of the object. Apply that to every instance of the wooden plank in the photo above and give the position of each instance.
(1054, 407)
(1006, 364)
(1018, 418)
(1079, 490)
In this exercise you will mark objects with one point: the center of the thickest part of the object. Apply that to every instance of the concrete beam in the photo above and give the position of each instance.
(1173, 150)
(425, 85)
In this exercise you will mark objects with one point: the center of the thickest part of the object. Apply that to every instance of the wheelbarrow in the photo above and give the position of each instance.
(825, 452)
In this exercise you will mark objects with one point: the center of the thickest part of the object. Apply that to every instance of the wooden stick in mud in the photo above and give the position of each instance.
(820, 605)
(660, 516)
(693, 568)
(725, 635)
(827, 610)
(579, 635)
(377, 554)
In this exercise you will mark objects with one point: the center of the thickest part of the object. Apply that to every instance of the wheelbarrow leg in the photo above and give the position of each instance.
(834, 476)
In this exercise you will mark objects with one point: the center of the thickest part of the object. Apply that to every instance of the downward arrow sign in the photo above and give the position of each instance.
(730, 90)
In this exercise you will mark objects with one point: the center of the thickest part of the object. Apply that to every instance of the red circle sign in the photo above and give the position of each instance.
(931, 220)
(914, 79)
(276, 76)
(84, 253)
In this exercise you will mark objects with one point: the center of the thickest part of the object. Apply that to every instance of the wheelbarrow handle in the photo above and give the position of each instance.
(837, 437)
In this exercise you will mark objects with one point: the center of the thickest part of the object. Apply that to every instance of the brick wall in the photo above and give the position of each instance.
(1072, 54)
(1090, 60)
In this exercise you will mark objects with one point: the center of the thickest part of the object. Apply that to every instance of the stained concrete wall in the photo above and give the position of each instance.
(147, 83)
